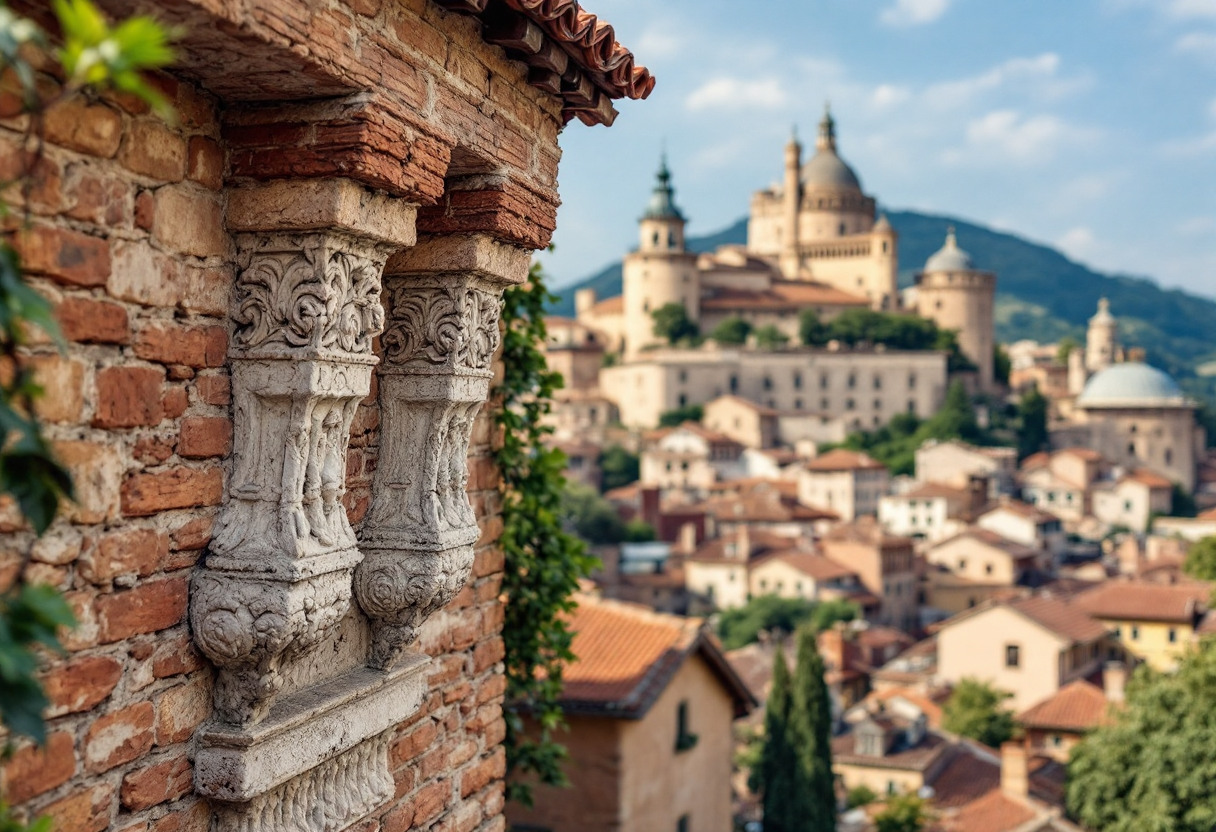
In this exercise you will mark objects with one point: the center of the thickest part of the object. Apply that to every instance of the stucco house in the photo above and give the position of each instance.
(849, 483)
(650, 703)
(1155, 622)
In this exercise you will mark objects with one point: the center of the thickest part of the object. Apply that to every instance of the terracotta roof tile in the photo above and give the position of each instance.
(1078, 706)
(781, 295)
(1146, 601)
(814, 566)
(764, 502)
(609, 306)
(1081, 453)
(759, 542)
(917, 758)
(1015, 550)
(967, 777)
(994, 812)
(1150, 478)
(1062, 616)
(841, 459)
(1024, 510)
(933, 490)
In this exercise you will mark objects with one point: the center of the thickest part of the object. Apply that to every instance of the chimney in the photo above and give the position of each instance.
(688, 538)
(650, 507)
(1015, 770)
(1114, 678)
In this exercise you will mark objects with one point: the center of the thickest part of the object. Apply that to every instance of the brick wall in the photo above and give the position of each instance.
(128, 241)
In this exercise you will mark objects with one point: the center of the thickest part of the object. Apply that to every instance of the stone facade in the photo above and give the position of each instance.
(282, 321)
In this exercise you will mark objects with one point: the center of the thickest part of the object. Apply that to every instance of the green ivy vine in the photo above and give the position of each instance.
(543, 562)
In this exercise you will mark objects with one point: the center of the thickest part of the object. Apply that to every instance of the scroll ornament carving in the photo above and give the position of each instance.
(454, 326)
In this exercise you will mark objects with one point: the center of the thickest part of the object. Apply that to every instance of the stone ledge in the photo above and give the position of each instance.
(305, 730)
(463, 254)
(332, 204)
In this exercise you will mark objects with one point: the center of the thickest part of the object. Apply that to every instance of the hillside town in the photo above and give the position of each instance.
(956, 515)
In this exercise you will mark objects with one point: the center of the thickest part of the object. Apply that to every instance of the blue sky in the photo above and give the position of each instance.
(1087, 124)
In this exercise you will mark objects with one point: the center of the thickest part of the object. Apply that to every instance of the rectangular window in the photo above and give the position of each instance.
(684, 738)
(1135, 633)
(1013, 657)
(683, 824)
(1173, 635)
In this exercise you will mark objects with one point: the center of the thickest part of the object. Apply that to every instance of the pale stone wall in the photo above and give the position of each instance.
(975, 648)
(1162, 439)
(927, 517)
(725, 583)
(965, 302)
(975, 560)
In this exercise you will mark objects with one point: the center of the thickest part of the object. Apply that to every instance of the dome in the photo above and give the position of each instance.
(949, 258)
(662, 204)
(1103, 317)
(1131, 384)
(826, 169)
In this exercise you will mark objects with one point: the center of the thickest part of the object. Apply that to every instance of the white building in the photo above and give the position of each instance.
(846, 482)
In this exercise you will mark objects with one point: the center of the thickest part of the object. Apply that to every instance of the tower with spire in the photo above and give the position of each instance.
(661, 270)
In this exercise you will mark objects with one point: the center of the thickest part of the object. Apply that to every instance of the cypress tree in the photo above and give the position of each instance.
(778, 763)
(810, 733)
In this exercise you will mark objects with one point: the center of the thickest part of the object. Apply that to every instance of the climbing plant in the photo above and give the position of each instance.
(543, 562)
(91, 55)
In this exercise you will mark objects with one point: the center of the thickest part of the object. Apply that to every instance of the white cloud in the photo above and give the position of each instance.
(1195, 146)
(888, 95)
(1191, 8)
(1202, 44)
(1038, 74)
(658, 42)
(1197, 226)
(727, 93)
(914, 12)
(1008, 136)
(1077, 242)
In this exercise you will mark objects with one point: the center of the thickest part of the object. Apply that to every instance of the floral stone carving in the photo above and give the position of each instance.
(419, 534)
(277, 579)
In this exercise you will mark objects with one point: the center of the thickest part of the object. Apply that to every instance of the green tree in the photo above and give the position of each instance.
(591, 516)
(810, 730)
(777, 779)
(1002, 364)
(903, 813)
(677, 417)
(638, 531)
(1182, 503)
(618, 466)
(812, 332)
(975, 709)
(672, 324)
(955, 419)
(1151, 768)
(731, 331)
(768, 337)
(1032, 423)
(768, 613)
(1064, 348)
(860, 796)
(1201, 560)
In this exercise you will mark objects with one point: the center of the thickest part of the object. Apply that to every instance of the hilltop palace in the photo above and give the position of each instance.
(816, 242)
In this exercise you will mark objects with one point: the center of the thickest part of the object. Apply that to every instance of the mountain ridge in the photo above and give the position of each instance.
(1041, 293)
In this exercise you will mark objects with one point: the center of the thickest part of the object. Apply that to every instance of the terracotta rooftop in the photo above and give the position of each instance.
(781, 295)
(994, 812)
(1023, 510)
(1150, 478)
(1147, 601)
(841, 459)
(814, 566)
(1012, 548)
(931, 707)
(759, 542)
(1081, 453)
(917, 758)
(627, 654)
(1210, 514)
(967, 777)
(609, 306)
(1078, 706)
(1062, 616)
(932, 490)
(865, 530)
(764, 503)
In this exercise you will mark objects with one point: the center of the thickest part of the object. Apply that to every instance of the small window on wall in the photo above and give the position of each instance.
(683, 824)
(1173, 635)
(1013, 655)
(734, 384)
(685, 739)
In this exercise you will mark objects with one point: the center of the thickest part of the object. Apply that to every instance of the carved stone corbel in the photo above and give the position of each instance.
(306, 310)
(443, 305)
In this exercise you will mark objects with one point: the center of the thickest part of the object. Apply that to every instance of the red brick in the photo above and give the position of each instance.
(487, 654)
(78, 124)
(214, 390)
(84, 634)
(119, 737)
(152, 606)
(159, 783)
(125, 552)
(93, 321)
(80, 684)
(147, 494)
(479, 775)
(205, 436)
(182, 709)
(430, 801)
(400, 819)
(204, 346)
(145, 210)
(175, 656)
(96, 470)
(62, 382)
(206, 163)
(196, 818)
(99, 200)
(152, 450)
(129, 397)
(84, 811)
(64, 255)
(190, 221)
(176, 399)
(33, 771)
(151, 149)
(415, 742)
(194, 534)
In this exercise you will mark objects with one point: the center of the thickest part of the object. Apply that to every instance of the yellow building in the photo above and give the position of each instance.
(1155, 622)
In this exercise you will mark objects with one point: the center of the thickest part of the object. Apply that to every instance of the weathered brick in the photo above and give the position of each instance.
(96, 471)
(100, 200)
(430, 801)
(182, 709)
(418, 740)
(478, 776)
(175, 401)
(145, 210)
(193, 346)
(78, 124)
(84, 634)
(64, 255)
(124, 552)
(194, 818)
(151, 149)
(158, 783)
(149, 607)
(119, 737)
(80, 684)
(190, 221)
(84, 811)
(152, 450)
(93, 321)
(62, 382)
(33, 771)
(214, 389)
(129, 397)
(146, 494)
(175, 656)
(193, 534)
(206, 162)
(60, 545)
(487, 654)
(205, 436)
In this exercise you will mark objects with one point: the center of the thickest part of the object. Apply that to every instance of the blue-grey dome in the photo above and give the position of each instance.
(825, 168)
(662, 204)
(1131, 384)
(949, 258)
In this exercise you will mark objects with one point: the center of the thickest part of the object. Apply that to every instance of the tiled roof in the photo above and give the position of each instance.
(967, 777)
(609, 306)
(994, 812)
(781, 295)
(865, 530)
(759, 542)
(1062, 616)
(840, 459)
(627, 654)
(1081, 453)
(814, 566)
(931, 708)
(1078, 706)
(1150, 478)
(1015, 550)
(917, 758)
(1023, 510)
(1146, 601)
(763, 502)
(1210, 514)
(932, 490)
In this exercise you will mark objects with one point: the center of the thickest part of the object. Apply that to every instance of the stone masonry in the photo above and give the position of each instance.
(282, 314)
